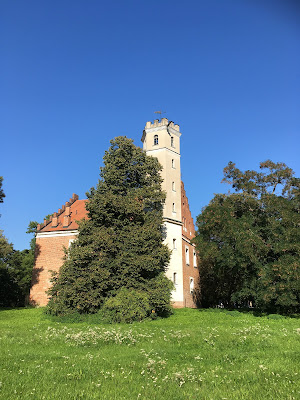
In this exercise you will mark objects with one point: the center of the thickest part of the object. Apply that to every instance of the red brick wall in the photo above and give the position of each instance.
(188, 232)
(49, 256)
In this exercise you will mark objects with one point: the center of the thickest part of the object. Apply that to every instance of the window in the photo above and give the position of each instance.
(173, 186)
(173, 207)
(173, 163)
(191, 285)
(172, 141)
(175, 278)
(195, 259)
(174, 244)
(155, 140)
(184, 223)
(187, 256)
(70, 244)
(71, 241)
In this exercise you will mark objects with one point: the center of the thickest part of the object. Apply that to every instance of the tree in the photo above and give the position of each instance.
(15, 271)
(121, 244)
(9, 292)
(2, 195)
(249, 241)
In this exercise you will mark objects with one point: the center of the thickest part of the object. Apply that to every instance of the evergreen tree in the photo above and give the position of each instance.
(249, 241)
(121, 244)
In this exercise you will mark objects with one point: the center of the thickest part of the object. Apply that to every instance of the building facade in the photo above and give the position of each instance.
(160, 139)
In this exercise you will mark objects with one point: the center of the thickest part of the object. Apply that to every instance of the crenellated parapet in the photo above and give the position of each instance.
(164, 122)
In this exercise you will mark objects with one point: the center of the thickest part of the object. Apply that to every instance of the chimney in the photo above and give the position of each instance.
(67, 209)
(67, 221)
(54, 220)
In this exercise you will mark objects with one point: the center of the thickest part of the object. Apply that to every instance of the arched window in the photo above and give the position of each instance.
(155, 140)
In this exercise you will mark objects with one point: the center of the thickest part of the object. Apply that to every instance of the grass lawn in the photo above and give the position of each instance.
(195, 354)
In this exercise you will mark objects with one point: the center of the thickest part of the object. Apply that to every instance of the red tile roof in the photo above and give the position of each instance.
(77, 212)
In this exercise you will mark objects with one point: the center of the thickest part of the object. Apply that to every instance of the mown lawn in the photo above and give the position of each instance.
(195, 354)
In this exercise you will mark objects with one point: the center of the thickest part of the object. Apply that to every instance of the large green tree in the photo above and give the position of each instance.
(15, 268)
(249, 241)
(121, 244)
(15, 271)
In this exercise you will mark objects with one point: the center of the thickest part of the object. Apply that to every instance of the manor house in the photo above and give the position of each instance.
(160, 139)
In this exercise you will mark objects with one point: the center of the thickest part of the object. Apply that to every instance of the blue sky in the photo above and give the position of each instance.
(75, 74)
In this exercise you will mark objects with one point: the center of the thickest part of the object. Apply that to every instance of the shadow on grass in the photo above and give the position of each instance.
(252, 311)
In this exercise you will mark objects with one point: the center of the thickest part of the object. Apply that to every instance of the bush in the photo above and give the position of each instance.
(159, 295)
(275, 316)
(127, 306)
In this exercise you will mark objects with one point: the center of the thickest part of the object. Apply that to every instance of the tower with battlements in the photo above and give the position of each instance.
(161, 139)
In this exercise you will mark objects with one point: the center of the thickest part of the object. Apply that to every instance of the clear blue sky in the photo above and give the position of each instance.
(75, 74)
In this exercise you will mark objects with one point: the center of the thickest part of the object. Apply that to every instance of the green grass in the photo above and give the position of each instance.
(195, 354)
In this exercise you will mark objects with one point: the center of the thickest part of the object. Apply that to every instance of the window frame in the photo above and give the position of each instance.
(187, 255)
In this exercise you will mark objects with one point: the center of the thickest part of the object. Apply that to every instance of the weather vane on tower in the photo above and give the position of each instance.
(160, 113)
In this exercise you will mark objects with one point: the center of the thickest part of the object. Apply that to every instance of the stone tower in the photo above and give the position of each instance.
(162, 140)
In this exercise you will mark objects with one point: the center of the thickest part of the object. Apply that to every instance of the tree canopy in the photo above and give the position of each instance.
(15, 271)
(2, 195)
(249, 241)
(121, 244)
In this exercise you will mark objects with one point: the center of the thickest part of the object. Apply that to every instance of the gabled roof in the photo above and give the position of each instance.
(66, 218)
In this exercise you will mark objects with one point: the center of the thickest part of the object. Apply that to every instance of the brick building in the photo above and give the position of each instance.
(162, 140)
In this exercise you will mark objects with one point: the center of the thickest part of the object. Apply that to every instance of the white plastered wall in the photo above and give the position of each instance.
(175, 265)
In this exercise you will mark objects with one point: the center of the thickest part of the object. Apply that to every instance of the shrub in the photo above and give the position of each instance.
(127, 306)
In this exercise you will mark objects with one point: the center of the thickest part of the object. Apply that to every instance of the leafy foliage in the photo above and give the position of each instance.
(120, 245)
(127, 306)
(249, 241)
(15, 271)
(15, 268)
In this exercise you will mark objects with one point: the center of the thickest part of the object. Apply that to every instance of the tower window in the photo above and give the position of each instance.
(173, 207)
(155, 140)
(172, 141)
(174, 244)
(173, 163)
(174, 278)
(173, 186)
(195, 259)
